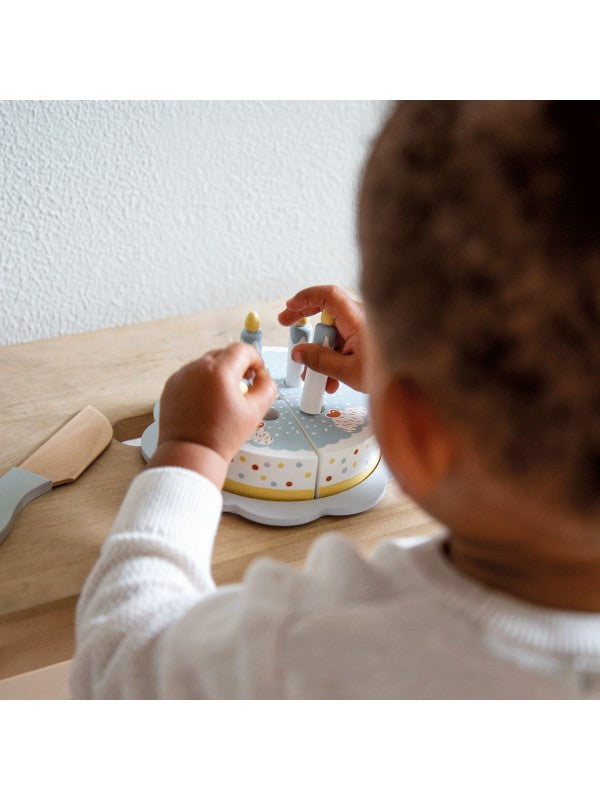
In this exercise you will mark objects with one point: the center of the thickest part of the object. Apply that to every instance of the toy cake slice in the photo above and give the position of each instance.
(341, 435)
(276, 463)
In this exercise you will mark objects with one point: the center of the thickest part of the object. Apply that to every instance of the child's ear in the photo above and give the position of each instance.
(415, 444)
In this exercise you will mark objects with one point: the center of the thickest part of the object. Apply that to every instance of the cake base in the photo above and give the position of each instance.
(288, 513)
(359, 498)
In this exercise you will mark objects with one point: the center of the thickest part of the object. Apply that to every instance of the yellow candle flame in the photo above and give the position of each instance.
(252, 322)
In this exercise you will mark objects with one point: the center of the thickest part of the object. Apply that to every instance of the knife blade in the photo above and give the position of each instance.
(61, 459)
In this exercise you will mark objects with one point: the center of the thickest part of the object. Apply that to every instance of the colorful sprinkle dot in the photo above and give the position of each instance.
(343, 460)
(332, 460)
(267, 464)
(241, 475)
(280, 466)
(273, 483)
(308, 474)
(254, 466)
(242, 458)
(355, 463)
(298, 464)
(328, 478)
(345, 469)
(356, 451)
(289, 483)
(263, 477)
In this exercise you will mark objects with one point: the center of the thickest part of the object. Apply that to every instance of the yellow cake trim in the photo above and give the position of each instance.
(342, 486)
(259, 493)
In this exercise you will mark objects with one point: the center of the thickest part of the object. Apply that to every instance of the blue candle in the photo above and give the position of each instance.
(300, 332)
(311, 401)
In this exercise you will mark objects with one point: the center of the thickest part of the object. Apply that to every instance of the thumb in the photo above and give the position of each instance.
(324, 360)
(263, 392)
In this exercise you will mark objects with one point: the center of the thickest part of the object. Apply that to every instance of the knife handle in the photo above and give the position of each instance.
(17, 488)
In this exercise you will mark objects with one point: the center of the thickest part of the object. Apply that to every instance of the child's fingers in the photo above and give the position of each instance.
(263, 391)
(348, 315)
(240, 358)
(331, 386)
(326, 361)
(289, 316)
(313, 299)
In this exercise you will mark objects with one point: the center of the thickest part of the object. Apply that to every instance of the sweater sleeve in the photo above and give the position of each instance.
(150, 622)
(153, 568)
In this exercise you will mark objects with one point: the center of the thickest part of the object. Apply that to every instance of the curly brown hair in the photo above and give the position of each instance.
(479, 227)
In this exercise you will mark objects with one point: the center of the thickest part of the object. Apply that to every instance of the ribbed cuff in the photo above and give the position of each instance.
(173, 503)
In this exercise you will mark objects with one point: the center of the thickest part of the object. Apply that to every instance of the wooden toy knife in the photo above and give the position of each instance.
(61, 459)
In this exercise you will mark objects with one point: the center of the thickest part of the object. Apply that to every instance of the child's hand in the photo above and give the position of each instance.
(345, 363)
(205, 417)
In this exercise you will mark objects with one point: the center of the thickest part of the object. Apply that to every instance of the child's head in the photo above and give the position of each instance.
(479, 228)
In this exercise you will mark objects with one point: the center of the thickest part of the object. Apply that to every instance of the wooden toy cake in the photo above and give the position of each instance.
(298, 456)
(310, 449)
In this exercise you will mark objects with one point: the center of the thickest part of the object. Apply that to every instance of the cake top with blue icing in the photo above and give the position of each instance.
(345, 413)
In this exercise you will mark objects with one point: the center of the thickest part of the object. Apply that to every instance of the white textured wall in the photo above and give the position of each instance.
(115, 212)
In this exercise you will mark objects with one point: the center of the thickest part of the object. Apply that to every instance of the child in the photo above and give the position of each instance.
(478, 228)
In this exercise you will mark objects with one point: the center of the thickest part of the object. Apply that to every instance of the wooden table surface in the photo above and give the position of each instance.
(56, 539)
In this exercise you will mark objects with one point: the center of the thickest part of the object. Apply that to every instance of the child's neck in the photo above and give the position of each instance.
(566, 582)
(522, 546)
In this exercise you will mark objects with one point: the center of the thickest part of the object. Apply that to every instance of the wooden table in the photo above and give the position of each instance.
(56, 539)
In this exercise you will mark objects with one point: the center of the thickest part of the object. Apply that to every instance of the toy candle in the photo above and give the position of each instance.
(252, 333)
(315, 382)
(299, 333)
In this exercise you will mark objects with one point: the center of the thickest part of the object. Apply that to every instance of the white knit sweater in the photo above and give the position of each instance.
(405, 624)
